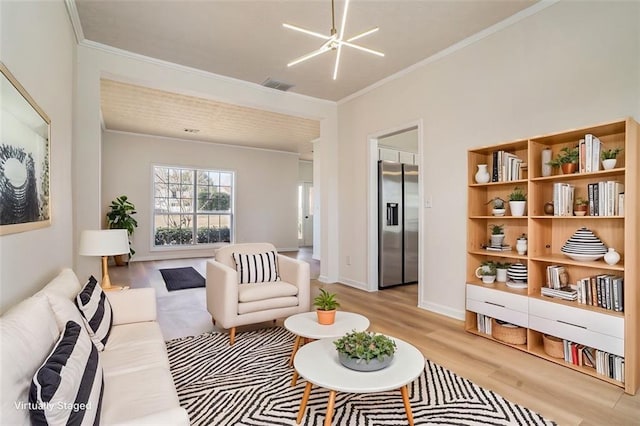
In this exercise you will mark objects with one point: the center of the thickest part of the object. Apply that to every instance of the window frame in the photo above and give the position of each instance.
(194, 214)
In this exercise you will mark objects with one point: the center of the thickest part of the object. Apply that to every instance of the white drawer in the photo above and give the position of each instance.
(580, 318)
(577, 334)
(498, 311)
(511, 301)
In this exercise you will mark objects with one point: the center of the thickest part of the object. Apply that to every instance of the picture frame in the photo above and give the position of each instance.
(25, 198)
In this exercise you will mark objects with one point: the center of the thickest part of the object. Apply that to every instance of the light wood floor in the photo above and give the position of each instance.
(559, 394)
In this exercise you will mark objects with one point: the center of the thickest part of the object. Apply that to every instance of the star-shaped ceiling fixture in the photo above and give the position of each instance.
(335, 41)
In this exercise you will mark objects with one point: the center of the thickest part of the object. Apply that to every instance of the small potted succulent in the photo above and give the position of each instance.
(497, 235)
(517, 201)
(610, 157)
(567, 160)
(487, 271)
(498, 206)
(326, 303)
(581, 206)
(365, 350)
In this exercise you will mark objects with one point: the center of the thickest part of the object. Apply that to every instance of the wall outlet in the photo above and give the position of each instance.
(348, 260)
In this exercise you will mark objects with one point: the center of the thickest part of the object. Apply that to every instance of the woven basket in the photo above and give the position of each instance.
(553, 346)
(508, 333)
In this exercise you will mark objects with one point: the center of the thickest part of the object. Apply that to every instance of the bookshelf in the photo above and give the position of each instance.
(584, 325)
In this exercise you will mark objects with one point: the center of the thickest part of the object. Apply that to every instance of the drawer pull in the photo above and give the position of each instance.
(571, 324)
(494, 304)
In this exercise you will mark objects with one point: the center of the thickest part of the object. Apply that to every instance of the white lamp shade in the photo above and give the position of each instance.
(104, 242)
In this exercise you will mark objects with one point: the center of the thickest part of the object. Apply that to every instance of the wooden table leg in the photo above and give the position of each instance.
(303, 403)
(296, 345)
(294, 379)
(329, 416)
(407, 404)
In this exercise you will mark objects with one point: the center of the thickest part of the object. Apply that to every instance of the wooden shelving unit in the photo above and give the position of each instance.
(606, 330)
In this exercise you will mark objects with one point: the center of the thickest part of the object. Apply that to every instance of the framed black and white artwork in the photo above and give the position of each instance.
(25, 200)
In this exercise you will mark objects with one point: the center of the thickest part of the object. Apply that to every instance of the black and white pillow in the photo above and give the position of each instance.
(67, 388)
(96, 310)
(256, 268)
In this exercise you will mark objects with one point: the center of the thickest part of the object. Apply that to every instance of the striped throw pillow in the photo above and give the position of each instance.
(256, 268)
(67, 388)
(96, 311)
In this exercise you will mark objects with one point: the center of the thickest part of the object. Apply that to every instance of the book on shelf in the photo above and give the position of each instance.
(566, 293)
(504, 247)
(604, 290)
(506, 166)
(604, 198)
(592, 153)
(604, 363)
(556, 277)
(563, 194)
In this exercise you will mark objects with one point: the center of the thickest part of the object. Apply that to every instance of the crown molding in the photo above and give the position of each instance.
(72, 10)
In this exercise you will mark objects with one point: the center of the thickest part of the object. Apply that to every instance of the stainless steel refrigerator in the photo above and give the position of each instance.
(397, 224)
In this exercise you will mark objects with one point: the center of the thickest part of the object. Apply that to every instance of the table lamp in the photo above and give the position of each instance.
(105, 243)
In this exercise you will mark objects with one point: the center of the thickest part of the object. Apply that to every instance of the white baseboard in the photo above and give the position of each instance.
(442, 310)
(325, 279)
(355, 284)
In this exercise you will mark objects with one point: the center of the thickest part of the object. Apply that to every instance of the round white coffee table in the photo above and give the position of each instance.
(305, 326)
(318, 363)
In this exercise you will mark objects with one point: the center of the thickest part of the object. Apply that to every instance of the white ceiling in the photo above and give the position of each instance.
(245, 39)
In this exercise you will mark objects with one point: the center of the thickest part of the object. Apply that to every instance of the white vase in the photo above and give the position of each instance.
(546, 157)
(612, 256)
(517, 207)
(521, 246)
(482, 175)
(609, 163)
(501, 275)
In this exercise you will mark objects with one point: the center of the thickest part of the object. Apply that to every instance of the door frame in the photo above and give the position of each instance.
(306, 185)
(372, 217)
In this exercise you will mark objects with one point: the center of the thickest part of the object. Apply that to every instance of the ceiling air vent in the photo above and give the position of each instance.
(278, 85)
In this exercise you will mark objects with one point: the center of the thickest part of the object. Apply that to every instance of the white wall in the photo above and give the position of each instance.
(572, 64)
(305, 171)
(265, 187)
(37, 46)
(96, 61)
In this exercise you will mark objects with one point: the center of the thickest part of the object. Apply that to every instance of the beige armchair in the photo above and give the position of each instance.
(232, 304)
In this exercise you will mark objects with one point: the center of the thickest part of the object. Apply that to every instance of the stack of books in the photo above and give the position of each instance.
(563, 199)
(605, 291)
(506, 167)
(589, 154)
(566, 293)
(606, 198)
(605, 363)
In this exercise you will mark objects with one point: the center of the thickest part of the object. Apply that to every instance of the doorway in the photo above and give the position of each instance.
(394, 144)
(305, 214)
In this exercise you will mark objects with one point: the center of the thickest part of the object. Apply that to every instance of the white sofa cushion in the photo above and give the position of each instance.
(28, 333)
(67, 389)
(96, 310)
(263, 291)
(256, 267)
(262, 305)
(126, 359)
(138, 333)
(139, 394)
(65, 284)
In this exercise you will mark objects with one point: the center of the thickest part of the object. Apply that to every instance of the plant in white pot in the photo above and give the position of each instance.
(501, 271)
(610, 157)
(517, 202)
(498, 206)
(497, 235)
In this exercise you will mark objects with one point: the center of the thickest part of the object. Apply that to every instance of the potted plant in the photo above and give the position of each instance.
(487, 271)
(498, 206)
(120, 216)
(326, 303)
(567, 160)
(581, 206)
(365, 350)
(517, 201)
(501, 271)
(497, 235)
(610, 157)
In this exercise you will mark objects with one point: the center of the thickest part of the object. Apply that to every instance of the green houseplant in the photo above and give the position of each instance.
(498, 206)
(326, 303)
(567, 159)
(517, 201)
(120, 216)
(365, 350)
(497, 235)
(610, 157)
(581, 206)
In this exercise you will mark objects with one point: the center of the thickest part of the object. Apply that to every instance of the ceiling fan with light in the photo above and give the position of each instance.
(335, 41)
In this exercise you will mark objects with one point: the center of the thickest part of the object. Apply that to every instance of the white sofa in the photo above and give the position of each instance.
(138, 387)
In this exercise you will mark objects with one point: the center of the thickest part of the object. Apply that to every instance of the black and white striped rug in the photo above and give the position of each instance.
(249, 383)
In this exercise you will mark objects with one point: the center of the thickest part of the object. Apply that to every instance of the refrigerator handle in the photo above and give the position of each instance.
(392, 214)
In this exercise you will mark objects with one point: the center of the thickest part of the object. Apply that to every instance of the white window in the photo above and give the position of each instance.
(192, 206)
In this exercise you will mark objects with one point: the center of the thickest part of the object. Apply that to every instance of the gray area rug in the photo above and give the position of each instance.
(182, 278)
(249, 383)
